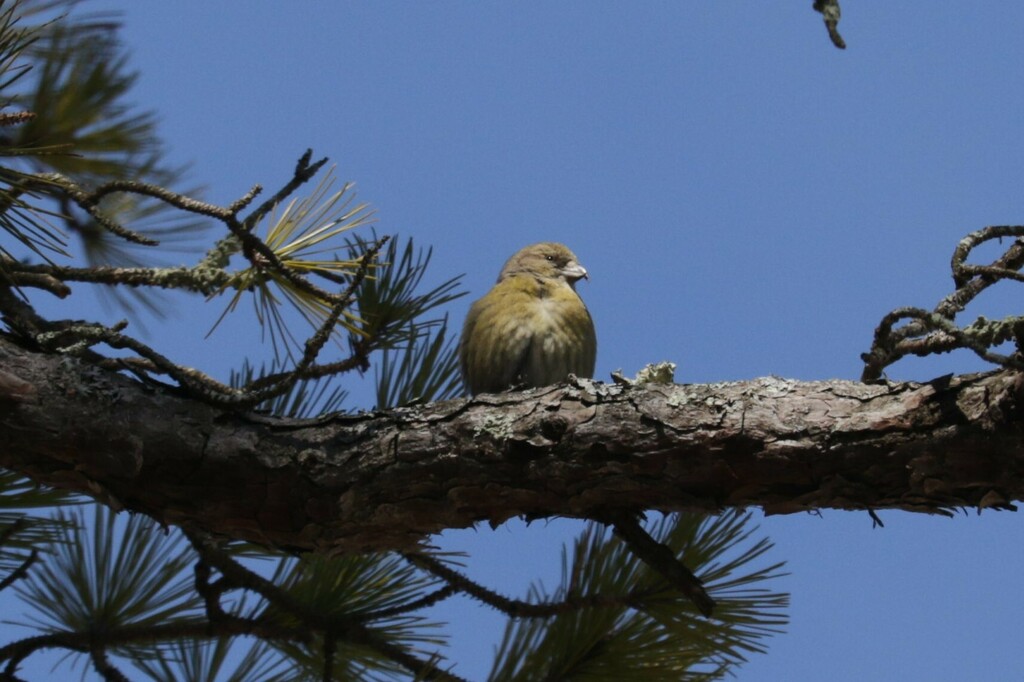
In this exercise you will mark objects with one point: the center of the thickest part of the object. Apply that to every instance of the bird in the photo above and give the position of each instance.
(532, 328)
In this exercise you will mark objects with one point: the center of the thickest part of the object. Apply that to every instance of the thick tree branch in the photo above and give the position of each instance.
(380, 481)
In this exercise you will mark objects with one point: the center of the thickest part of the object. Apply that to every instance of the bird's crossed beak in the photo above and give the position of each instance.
(573, 271)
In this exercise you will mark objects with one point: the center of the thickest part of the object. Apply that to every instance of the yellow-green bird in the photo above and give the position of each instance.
(532, 328)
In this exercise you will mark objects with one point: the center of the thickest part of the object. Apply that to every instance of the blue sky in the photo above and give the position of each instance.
(748, 200)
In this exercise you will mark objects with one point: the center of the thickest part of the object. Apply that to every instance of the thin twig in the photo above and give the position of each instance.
(107, 670)
(930, 332)
(661, 559)
(87, 203)
(515, 608)
(304, 171)
(831, 12)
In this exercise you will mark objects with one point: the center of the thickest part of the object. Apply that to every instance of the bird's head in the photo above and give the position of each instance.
(547, 260)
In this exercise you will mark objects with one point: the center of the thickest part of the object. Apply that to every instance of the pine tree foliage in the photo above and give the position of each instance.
(373, 589)
(655, 634)
(104, 576)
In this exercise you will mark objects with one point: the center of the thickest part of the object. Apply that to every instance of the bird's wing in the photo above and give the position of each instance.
(495, 341)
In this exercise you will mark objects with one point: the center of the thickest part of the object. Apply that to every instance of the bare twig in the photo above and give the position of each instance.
(662, 560)
(107, 670)
(181, 278)
(304, 172)
(515, 608)
(929, 332)
(87, 202)
(830, 10)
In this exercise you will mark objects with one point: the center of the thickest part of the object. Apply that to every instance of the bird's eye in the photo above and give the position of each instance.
(550, 257)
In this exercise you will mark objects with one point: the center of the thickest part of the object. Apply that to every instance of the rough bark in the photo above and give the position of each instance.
(386, 480)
